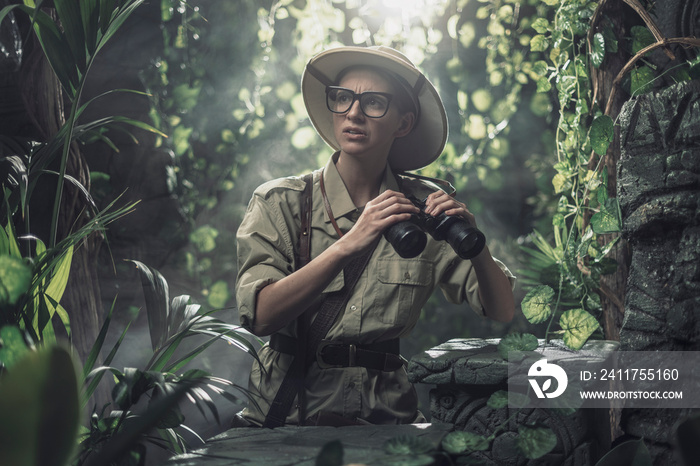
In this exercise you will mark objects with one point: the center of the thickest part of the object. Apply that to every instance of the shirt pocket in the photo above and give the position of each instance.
(402, 283)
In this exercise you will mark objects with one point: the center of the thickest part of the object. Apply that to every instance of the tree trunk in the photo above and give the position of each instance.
(43, 103)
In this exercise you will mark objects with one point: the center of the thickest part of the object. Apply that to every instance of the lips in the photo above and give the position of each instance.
(354, 132)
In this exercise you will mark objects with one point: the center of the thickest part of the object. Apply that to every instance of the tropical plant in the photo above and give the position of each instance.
(33, 277)
(124, 431)
(170, 324)
(571, 46)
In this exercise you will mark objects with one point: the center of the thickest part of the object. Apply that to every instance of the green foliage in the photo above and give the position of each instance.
(536, 302)
(39, 408)
(535, 442)
(517, 342)
(170, 323)
(331, 454)
(459, 442)
(578, 325)
(632, 453)
(39, 386)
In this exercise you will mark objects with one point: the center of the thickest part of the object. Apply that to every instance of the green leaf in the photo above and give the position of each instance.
(12, 346)
(535, 442)
(598, 53)
(127, 437)
(642, 80)
(155, 290)
(608, 219)
(536, 304)
(611, 44)
(15, 279)
(459, 442)
(601, 135)
(499, 399)
(641, 38)
(39, 411)
(578, 326)
(541, 25)
(633, 452)
(72, 24)
(407, 445)
(331, 454)
(539, 43)
(517, 342)
(59, 277)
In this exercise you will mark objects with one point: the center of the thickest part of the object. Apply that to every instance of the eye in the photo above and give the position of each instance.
(343, 97)
(376, 101)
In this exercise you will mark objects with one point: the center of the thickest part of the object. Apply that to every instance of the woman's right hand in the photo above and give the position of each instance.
(380, 213)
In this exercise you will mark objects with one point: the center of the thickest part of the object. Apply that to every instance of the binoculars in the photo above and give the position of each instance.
(409, 238)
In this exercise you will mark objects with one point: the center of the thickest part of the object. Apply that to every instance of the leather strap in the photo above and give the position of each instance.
(329, 211)
(305, 233)
(381, 356)
(293, 383)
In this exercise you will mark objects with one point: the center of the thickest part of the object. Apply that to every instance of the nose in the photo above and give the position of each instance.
(355, 110)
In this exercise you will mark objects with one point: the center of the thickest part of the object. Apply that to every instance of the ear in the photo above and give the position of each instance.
(405, 125)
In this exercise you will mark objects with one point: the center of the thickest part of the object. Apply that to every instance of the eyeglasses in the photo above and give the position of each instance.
(372, 104)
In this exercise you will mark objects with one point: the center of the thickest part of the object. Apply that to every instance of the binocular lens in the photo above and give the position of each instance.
(407, 239)
(467, 242)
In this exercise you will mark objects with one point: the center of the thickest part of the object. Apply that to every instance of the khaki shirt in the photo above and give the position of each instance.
(385, 303)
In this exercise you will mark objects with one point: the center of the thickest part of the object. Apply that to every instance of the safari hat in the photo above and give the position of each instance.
(417, 149)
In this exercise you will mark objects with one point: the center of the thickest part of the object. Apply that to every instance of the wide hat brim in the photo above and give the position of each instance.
(422, 145)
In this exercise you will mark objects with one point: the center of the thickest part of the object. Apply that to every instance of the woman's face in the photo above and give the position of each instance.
(361, 136)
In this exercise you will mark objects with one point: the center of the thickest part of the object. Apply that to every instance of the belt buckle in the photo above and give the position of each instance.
(352, 354)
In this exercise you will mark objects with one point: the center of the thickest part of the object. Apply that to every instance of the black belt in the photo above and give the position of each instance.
(382, 356)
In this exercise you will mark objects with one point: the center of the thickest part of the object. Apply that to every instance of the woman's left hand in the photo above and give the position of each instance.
(439, 202)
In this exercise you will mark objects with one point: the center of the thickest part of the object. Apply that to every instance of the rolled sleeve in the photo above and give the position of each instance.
(462, 285)
(265, 253)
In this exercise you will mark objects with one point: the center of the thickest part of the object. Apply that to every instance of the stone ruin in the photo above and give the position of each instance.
(659, 195)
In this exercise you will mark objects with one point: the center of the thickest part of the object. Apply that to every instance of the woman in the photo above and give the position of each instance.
(382, 116)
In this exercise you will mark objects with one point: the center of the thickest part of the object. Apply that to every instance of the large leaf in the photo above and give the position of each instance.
(459, 442)
(155, 290)
(39, 411)
(535, 442)
(331, 454)
(601, 134)
(59, 277)
(498, 400)
(72, 25)
(15, 280)
(536, 304)
(12, 346)
(631, 453)
(578, 326)
(135, 427)
(598, 52)
(517, 342)
(608, 219)
(642, 80)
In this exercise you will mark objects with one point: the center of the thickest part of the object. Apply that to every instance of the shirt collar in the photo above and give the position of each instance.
(338, 196)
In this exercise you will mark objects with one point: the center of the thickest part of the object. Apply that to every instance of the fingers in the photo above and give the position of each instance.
(390, 203)
(441, 202)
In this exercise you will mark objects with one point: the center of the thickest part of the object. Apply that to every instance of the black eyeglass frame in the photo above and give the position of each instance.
(358, 97)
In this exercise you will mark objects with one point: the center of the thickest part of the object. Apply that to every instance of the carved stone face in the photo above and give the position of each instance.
(659, 194)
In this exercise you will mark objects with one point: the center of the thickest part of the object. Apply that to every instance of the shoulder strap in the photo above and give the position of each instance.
(304, 254)
(293, 382)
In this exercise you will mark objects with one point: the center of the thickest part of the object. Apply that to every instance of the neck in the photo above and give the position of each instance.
(362, 180)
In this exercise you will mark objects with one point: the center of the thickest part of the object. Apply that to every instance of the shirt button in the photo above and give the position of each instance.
(351, 385)
(407, 275)
(353, 308)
